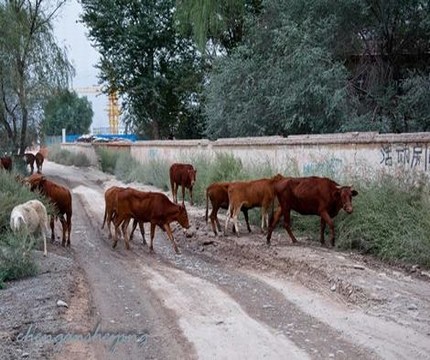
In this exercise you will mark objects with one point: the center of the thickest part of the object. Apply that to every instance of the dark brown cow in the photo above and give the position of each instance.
(183, 175)
(29, 159)
(152, 207)
(217, 193)
(61, 199)
(110, 212)
(39, 161)
(6, 163)
(311, 196)
(250, 194)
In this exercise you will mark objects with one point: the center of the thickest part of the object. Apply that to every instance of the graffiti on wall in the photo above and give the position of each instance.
(413, 156)
(329, 167)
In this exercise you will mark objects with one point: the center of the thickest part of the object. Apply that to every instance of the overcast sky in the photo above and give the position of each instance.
(71, 34)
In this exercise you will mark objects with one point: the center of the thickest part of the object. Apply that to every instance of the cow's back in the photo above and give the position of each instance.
(307, 195)
(218, 193)
(251, 193)
(60, 195)
(179, 173)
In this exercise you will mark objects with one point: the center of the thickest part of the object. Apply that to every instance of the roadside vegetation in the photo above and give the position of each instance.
(15, 256)
(66, 157)
(390, 218)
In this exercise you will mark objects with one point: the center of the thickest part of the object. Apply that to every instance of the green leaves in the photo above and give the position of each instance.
(67, 110)
(157, 72)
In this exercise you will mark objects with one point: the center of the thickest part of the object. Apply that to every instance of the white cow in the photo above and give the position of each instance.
(31, 217)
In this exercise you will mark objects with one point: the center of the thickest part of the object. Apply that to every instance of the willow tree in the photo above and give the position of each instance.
(32, 66)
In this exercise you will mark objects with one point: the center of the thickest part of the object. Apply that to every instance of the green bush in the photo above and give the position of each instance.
(107, 159)
(390, 220)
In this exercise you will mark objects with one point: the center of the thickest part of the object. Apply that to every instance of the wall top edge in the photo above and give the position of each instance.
(337, 138)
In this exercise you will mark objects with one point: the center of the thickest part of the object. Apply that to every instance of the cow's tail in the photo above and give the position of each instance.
(207, 206)
(104, 218)
(17, 221)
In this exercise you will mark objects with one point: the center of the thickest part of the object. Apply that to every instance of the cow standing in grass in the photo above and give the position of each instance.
(217, 194)
(62, 201)
(250, 194)
(183, 175)
(311, 196)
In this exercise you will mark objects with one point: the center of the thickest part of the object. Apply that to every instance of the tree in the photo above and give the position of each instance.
(157, 71)
(216, 22)
(280, 81)
(67, 110)
(31, 66)
(322, 66)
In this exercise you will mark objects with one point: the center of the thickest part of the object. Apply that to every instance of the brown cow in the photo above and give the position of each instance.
(217, 193)
(110, 212)
(39, 161)
(29, 159)
(185, 176)
(311, 196)
(6, 163)
(152, 207)
(250, 194)
(61, 199)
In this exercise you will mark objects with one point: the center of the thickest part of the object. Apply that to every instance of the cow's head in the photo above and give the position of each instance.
(345, 194)
(35, 181)
(183, 217)
(192, 174)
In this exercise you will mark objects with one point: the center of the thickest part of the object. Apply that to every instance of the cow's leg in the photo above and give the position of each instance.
(214, 220)
(235, 221)
(116, 222)
(322, 229)
(69, 228)
(329, 221)
(264, 219)
(175, 192)
(273, 222)
(191, 195)
(142, 231)
(133, 228)
(125, 233)
(151, 243)
(64, 226)
(170, 236)
(245, 214)
(287, 225)
(183, 194)
(51, 223)
(227, 219)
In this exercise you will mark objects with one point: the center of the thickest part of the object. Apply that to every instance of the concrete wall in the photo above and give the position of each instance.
(347, 155)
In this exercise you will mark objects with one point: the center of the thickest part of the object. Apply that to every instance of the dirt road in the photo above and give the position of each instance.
(228, 297)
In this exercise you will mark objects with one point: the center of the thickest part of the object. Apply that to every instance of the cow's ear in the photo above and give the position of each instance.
(354, 192)
(336, 194)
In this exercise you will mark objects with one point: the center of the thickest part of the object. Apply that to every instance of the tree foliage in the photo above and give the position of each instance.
(322, 66)
(31, 67)
(215, 22)
(156, 70)
(67, 110)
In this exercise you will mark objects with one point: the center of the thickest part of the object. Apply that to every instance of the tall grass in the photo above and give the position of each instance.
(15, 257)
(66, 157)
(390, 220)
(107, 159)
